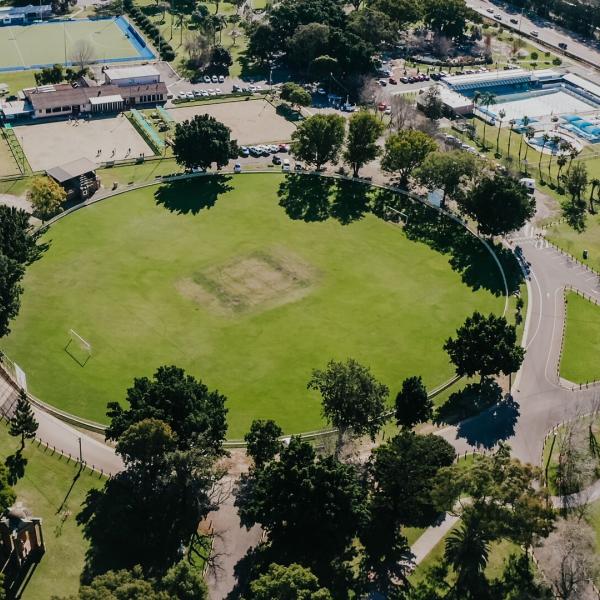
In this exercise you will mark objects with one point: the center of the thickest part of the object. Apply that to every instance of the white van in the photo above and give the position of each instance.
(285, 165)
(529, 183)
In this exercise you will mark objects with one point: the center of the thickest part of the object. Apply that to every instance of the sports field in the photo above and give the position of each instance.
(581, 347)
(215, 276)
(44, 44)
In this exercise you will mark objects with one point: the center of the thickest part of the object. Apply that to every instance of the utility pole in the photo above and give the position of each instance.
(80, 452)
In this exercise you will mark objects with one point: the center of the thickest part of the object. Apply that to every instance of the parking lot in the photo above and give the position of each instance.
(250, 121)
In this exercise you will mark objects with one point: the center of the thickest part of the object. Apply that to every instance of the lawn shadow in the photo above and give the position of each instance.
(190, 196)
(468, 255)
(66, 498)
(15, 463)
(311, 198)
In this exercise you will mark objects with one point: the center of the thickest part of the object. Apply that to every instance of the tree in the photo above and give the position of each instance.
(195, 414)
(467, 551)
(499, 205)
(545, 140)
(449, 171)
(293, 582)
(364, 130)
(352, 399)
(7, 494)
(403, 472)
(308, 42)
(556, 143)
(446, 17)
(311, 509)
(485, 345)
(22, 422)
(512, 123)
(574, 210)
(261, 42)
(11, 273)
(595, 184)
(83, 54)
(262, 441)
(184, 582)
(220, 60)
(295, 94)
(402, 12)
(486, 99)
(524, 125)
(529, 135)
(324, 66)
(46, 196)
(203, 141)
(432, 104)
(16, 239)
(372, 25)
(501, 115)
(518, 581)
(405, 151)
(413, 405)
(318, 139)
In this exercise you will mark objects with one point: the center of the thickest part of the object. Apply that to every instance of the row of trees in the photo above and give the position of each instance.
(318, 38)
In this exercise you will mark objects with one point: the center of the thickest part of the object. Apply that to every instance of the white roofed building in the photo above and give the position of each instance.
(132, 75)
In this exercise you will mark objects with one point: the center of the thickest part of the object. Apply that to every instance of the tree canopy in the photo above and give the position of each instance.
(446, 17)
(262, 441)
(364, 130)
(499, 205)
(46, 197)
(202, 141)
(11, 273)
(293, 582)
(23, 423)
(318, 139)
(485, 345)
(16, 239)
(295, 94)
(352, 399)
(413, 405)
(405, 151)
(193, 412)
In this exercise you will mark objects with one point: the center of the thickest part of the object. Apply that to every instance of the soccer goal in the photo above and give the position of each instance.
(78, 348)
(396, 216)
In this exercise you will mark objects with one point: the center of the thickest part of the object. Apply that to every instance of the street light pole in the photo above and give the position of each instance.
(80, 452)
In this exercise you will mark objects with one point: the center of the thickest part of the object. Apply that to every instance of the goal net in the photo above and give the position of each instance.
(396, 216)
(78, 348)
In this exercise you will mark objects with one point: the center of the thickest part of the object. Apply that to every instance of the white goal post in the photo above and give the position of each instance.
(81, 342)
(402, 216)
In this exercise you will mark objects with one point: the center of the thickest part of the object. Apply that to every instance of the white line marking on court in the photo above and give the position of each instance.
(14, 39)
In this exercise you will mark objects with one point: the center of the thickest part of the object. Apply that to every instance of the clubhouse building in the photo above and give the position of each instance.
(123, 88)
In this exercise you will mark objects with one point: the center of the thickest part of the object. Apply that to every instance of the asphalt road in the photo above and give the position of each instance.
(548, 32)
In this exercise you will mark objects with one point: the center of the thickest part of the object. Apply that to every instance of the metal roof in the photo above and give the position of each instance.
(72, 169)
(131, 72)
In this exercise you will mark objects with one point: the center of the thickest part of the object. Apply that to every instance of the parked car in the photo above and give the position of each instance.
(298, 167)
(235, 88)
(404, 79)
(387, 111)
(321, 91)
(382, 106)
(498, 17)
(207, 79)
(283, 148)
(515, 21)
(490, 10)
(244, 151)
(534, 33)
(273, 148)
(237, 168)
(382, 82)
(221, 79)
(215, 79)
(189, 95)
(182, 95)
(285, 166)
(265, 151)
(276, 160)
(562, 45)
(392, 81)
(218, 91)
(197, 94)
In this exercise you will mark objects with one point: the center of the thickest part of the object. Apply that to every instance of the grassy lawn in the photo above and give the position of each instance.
(51, 489)
(581, 347)
(17, 80)
(575, 243)
(8, 165)
(237, 293)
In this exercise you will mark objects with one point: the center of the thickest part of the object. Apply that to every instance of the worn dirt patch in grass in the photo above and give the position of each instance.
(251, 283)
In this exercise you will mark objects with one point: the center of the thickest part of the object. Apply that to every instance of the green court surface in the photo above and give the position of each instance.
(215, 276)
(581, 346)
(58, 41)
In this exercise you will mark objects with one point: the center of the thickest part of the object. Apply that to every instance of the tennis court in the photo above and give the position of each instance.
(44, 44)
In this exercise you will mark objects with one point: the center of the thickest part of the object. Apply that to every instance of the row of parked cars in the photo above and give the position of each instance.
(263, 150)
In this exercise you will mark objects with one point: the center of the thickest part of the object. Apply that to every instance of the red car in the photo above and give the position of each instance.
(382, 106)
(392, 81)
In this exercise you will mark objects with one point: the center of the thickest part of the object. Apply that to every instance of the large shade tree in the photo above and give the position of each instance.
(202, 141)
(405, 151)
(364, 129)
(318, 139)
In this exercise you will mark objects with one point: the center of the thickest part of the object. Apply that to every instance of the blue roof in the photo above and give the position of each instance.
(29, 9)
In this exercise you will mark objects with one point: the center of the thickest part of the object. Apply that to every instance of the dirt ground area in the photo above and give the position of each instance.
(51, 144)
(254, 282)
(251, 122)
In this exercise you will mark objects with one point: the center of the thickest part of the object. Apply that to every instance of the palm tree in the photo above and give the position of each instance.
(556, 146)
(524, 126)
(467, 550)
(572, 155)
(595, 183)
(561, 161)
(545, 140)
(486, 99)
(529, 134)
(512, 124)
(501, 115)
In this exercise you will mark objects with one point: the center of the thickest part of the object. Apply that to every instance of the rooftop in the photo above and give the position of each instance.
(132, 72)
(72, 169)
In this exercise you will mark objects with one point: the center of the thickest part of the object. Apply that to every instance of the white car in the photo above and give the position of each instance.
(252, 88)
(237, 168)
(204, 94)
(182, 95)
(534, 33)
(206, 79)
(189, 95)
(197, 94)
(218, 91)
(221, 79)
(321, 91)
(215, 79)
(490, 10)
(273, 148)
(285, 165)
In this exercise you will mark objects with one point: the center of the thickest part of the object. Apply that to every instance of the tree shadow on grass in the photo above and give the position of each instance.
(15, 463)
(190, 196)
(313, 198)
(468, 255)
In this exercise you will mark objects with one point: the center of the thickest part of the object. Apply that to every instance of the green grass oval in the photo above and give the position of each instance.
(226, 285)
